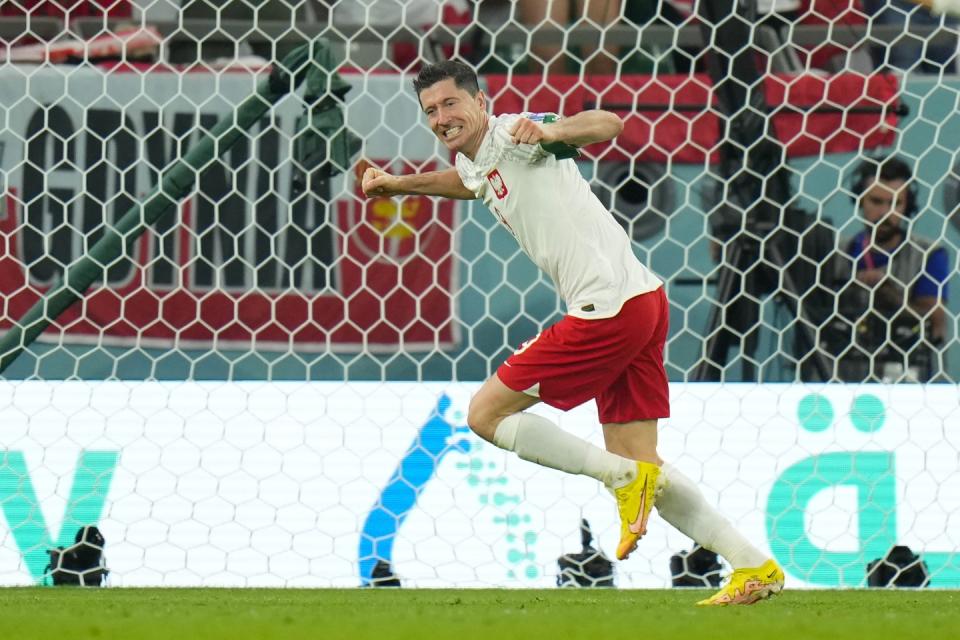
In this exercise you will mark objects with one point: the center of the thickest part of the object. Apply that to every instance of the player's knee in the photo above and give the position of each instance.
(481, 420)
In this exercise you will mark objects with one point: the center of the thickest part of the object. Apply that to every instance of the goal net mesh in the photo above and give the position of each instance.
(269, 387)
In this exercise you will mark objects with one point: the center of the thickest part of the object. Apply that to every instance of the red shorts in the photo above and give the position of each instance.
(618, 361)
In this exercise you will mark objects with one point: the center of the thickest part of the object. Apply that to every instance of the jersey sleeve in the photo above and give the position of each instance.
(503, 146)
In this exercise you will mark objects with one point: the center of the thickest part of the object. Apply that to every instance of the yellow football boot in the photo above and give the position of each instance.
(634, 502)
(747, 586)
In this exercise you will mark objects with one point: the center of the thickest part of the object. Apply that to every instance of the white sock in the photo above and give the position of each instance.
(536, 439)
(682, 504)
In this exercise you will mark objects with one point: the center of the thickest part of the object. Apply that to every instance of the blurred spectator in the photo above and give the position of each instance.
(213, 43)
(913, 53)
(892, 284)
(407, 18)
(67, 9)
(564, 13)
(782, 15)
(835, 15)
(907, 53)
(415, 17)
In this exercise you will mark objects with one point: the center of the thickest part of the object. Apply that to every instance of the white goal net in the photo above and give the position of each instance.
(268, 386)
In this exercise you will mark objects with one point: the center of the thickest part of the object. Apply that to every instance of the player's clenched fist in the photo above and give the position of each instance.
(526, 131)
(377, 182)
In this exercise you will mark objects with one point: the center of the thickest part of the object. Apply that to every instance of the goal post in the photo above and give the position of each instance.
(270, 387)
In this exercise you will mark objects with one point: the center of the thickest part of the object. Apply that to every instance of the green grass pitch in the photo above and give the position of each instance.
(185, 614)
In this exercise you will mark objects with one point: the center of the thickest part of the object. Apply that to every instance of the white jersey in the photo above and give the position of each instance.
(558, 221)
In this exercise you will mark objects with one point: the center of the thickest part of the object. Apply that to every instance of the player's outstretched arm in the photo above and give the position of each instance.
(446, 183)
(578, 130)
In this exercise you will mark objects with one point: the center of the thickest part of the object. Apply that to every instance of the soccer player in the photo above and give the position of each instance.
(609, 346)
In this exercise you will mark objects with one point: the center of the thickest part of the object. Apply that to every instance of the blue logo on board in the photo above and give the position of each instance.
(436, 439)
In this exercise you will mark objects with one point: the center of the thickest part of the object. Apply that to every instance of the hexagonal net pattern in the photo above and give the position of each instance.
(247, 372)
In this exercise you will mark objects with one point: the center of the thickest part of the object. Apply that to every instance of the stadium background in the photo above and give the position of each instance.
(208, 458)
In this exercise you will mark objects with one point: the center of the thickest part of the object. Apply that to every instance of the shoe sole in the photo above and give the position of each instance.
(763, 594)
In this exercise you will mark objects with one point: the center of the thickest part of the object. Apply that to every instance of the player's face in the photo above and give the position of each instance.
(456, 117)
(884, 205)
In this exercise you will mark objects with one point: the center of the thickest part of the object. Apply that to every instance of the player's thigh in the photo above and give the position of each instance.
(569, 363)
(640, 395)
(493, 402)
(640, 392)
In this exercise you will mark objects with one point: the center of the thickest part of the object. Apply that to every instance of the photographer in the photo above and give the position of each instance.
(890, 320)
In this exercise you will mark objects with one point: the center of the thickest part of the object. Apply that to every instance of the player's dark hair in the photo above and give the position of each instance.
(884, 169)
(462, 74)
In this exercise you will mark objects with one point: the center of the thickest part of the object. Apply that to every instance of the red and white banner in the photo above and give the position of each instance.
(673, 118)
(125, 42)
(253, 259)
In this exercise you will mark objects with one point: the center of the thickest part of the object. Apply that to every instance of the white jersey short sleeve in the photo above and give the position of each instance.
(560, 224)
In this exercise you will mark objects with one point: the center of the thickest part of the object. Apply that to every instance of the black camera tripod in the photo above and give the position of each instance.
(771, 246)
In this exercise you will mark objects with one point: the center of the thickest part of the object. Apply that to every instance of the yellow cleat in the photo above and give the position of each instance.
(634, 502)
(747, 586)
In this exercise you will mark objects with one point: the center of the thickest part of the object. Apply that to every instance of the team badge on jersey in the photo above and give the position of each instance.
(496, 181)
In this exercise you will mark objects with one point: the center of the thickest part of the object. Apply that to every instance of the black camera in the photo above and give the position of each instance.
(901, 567)
(589, 568)
(81, 564)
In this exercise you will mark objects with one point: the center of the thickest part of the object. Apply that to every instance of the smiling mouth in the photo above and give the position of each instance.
(452, 132)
